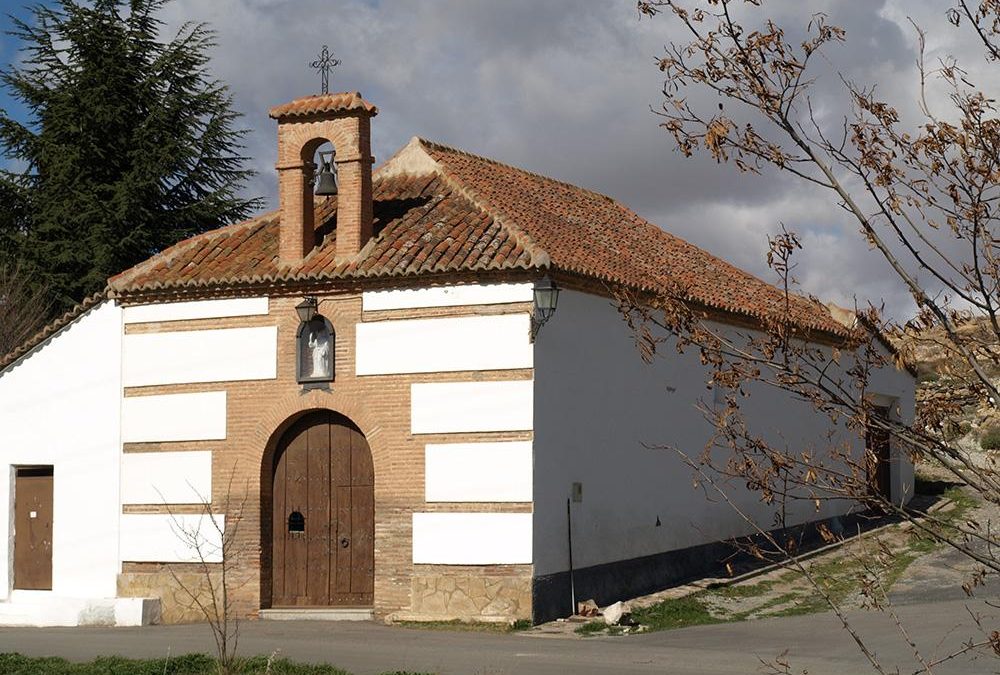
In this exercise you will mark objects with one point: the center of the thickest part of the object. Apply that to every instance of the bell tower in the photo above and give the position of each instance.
(343, 119)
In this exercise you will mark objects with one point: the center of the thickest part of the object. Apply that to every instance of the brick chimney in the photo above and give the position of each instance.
(343, 119)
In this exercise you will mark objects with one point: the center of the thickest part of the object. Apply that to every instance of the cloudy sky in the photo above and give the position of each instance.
(564, 88)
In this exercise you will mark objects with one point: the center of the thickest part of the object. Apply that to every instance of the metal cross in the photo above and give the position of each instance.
(324, 64)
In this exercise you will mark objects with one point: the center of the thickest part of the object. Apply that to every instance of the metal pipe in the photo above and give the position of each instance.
(569, 538)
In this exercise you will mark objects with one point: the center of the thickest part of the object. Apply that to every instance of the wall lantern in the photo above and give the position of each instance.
(326, 181)
(546, 298)
(306, 309)
(315, 344)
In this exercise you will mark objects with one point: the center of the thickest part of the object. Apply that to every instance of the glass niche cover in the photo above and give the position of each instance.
(315, 350)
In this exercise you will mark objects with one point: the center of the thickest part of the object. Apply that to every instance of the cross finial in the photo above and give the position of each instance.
(324, 64)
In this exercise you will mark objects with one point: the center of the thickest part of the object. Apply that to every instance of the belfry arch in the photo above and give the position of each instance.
(343, 120)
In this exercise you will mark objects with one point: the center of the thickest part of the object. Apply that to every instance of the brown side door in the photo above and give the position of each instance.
(324, 515)
(878, 458)
(33, 528)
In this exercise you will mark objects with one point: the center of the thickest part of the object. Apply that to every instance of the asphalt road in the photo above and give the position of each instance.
(816, 644)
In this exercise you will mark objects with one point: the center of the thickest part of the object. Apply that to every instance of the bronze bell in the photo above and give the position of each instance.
(326, 184)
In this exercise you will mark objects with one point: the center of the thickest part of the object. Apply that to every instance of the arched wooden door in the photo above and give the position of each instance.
(323, 522)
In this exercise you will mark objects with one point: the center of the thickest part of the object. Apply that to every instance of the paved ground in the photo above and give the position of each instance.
(815, 643)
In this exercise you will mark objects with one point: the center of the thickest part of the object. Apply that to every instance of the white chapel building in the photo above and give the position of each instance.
(396, 401)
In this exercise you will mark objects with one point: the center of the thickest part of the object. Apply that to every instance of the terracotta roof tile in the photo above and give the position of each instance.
(322, 103)
(463, 213)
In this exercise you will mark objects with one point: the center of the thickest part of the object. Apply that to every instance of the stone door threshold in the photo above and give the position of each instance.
(318, 614)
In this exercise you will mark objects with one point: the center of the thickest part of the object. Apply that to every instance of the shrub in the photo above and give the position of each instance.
(991, 439)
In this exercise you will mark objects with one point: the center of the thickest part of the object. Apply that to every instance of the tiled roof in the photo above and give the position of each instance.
(322, 103)
(438, 209)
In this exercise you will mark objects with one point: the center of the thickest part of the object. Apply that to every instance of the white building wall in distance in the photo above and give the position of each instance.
(443, 345)
(156, 537)
(447, 296)
(613, 423)
(471, 538)
(196, 309)
(197, 416)
(457, 407)
(167, 477)
(478, 472)
(61, 406)
(221, 355)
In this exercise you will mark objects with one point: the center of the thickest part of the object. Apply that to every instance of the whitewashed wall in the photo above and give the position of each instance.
(196, 309)
(167, 477)
(447, 296)
(195, 356)
(441, 345)
(60, 405)
(155, 537)
(197, 416)
(597, 404)
(478, 472)
(472, 538)
(456, 407)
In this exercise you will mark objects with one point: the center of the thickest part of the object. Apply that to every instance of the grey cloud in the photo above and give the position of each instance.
(565, 88)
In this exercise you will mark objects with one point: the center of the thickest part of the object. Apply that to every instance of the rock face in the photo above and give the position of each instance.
(950, 400)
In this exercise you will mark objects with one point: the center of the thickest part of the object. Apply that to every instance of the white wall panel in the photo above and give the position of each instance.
(197, 309)
(478, 472)
(174, 417)
(220, 355)
(455, 407)
(160, 537)
(167, 477)
(60, 405)
(444, 345)
(471, 538)
(447, 296)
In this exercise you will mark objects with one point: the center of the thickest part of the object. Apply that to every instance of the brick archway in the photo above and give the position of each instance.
(279, 421)
(321, 511)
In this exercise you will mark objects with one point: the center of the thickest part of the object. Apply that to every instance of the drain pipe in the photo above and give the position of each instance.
(569, 541)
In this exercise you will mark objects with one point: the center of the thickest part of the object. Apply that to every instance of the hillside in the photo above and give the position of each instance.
(950, 400)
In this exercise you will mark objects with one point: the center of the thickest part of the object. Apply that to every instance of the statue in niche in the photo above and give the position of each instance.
(315, 351)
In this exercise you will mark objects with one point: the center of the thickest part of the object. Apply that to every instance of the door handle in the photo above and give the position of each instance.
(344, 542)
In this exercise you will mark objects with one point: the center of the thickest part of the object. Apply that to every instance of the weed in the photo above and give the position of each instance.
(191, 664)
(468, 626)
(676, 613)
(592, 628)
(990, 440)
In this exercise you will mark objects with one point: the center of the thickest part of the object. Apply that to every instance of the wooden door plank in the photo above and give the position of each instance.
(342, 573)
(363, 544)
(279, 526)
(340, 440)
(318, 516)
(296, 494)
(362, 471)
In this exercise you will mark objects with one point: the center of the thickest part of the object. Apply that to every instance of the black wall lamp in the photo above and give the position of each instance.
(546, 298)
(306, 309)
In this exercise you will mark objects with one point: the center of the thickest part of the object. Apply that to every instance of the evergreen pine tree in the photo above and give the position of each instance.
(131, 144)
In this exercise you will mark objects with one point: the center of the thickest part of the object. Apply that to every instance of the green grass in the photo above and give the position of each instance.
(191, 664)
(676, 613)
